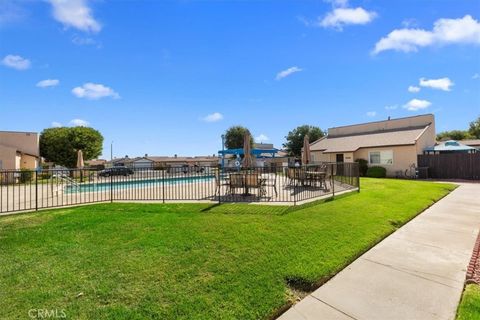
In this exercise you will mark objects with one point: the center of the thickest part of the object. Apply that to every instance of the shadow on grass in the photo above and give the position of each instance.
(245, 209)
(318, 202)
(266, 209)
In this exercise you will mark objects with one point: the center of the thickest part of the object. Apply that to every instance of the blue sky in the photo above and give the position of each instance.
(169, 77)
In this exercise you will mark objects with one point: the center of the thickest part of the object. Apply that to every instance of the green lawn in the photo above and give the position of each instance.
(192, 261)
(469, 308)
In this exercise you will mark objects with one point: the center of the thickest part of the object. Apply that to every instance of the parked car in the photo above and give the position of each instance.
(115, 171)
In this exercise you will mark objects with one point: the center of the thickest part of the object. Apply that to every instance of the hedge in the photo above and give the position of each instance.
(376, 172)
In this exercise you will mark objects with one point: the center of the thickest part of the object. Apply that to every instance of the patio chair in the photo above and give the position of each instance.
(219, 183)
(236, 181)
(328, 177)
(252, 180)
(300, 176)
(319, 177)
(271, 182)
(290, 173)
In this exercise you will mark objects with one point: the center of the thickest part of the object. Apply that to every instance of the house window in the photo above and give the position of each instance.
(381, 157)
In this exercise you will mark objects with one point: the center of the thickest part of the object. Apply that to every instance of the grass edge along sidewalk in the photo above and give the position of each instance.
(469, 307)
(133, 261)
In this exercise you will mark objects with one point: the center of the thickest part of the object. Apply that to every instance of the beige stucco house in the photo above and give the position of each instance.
(393, 144)
(19, 150)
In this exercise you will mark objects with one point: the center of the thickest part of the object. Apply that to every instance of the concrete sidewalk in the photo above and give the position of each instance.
(416, 273)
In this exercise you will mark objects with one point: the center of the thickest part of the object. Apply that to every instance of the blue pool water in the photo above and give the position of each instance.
(141, 183)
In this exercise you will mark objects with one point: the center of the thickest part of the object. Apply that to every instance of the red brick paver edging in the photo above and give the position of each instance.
(473, 271)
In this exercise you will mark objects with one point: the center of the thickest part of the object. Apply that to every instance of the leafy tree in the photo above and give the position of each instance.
(60, 145)
(474, 129)
(453, 135)
(295, 138)
(234, 137)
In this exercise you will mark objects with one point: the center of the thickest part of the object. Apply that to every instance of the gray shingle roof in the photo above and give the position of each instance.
(378, 139)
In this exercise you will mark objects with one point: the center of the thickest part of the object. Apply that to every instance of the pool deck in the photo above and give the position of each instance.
(18, 198)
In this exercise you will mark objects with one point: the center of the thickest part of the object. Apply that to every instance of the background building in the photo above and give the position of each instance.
(393, 144)
(19, 150)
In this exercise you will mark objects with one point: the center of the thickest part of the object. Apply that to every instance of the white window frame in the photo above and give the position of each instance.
(381, 162)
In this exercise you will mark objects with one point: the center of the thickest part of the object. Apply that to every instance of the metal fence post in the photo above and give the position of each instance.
(36, 191)
(219, 187)
(294, 187)
(163, 186)
(358, 178)
(333, 180)
(111, 188)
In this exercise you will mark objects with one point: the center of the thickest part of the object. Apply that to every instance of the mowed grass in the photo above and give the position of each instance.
(469, 308)
(192, 261)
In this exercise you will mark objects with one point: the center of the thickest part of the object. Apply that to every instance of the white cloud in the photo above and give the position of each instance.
(94, 91)
(404, 40)
(464, 30)
(16, 62)
(340, 17)
(213, 117)
(417, 104)
(48, 83)
(287, 72)
(440, 84)
(392, 107)
(476, 76)
(261, 138)
(84, 41)
(79, 123)
(76, 14)
(56, 124)
(413, 89)
(371, 113)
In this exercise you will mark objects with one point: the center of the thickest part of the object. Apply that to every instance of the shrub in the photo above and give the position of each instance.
(376, 172)
(362, 167)
(26, 175)
(45, 175)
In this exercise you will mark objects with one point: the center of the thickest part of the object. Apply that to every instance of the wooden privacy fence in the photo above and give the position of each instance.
(451, 165)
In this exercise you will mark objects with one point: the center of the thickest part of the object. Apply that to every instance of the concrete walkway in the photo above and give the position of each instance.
(416, 273)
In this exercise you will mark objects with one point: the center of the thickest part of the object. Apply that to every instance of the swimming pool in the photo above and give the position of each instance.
(138, 183)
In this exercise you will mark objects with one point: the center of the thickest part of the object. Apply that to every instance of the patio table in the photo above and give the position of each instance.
(246, 187)
(316, 176)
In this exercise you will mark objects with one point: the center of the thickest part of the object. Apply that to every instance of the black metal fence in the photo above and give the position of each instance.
(33, 190)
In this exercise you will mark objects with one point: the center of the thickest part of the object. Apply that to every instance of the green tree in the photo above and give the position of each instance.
(295, 138)
(474, 129)
(234, 137)
(60, 145)
(453, 135)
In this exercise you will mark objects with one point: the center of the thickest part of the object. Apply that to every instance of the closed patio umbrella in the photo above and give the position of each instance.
(306, 150)
(80, 163)
(247, 151)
